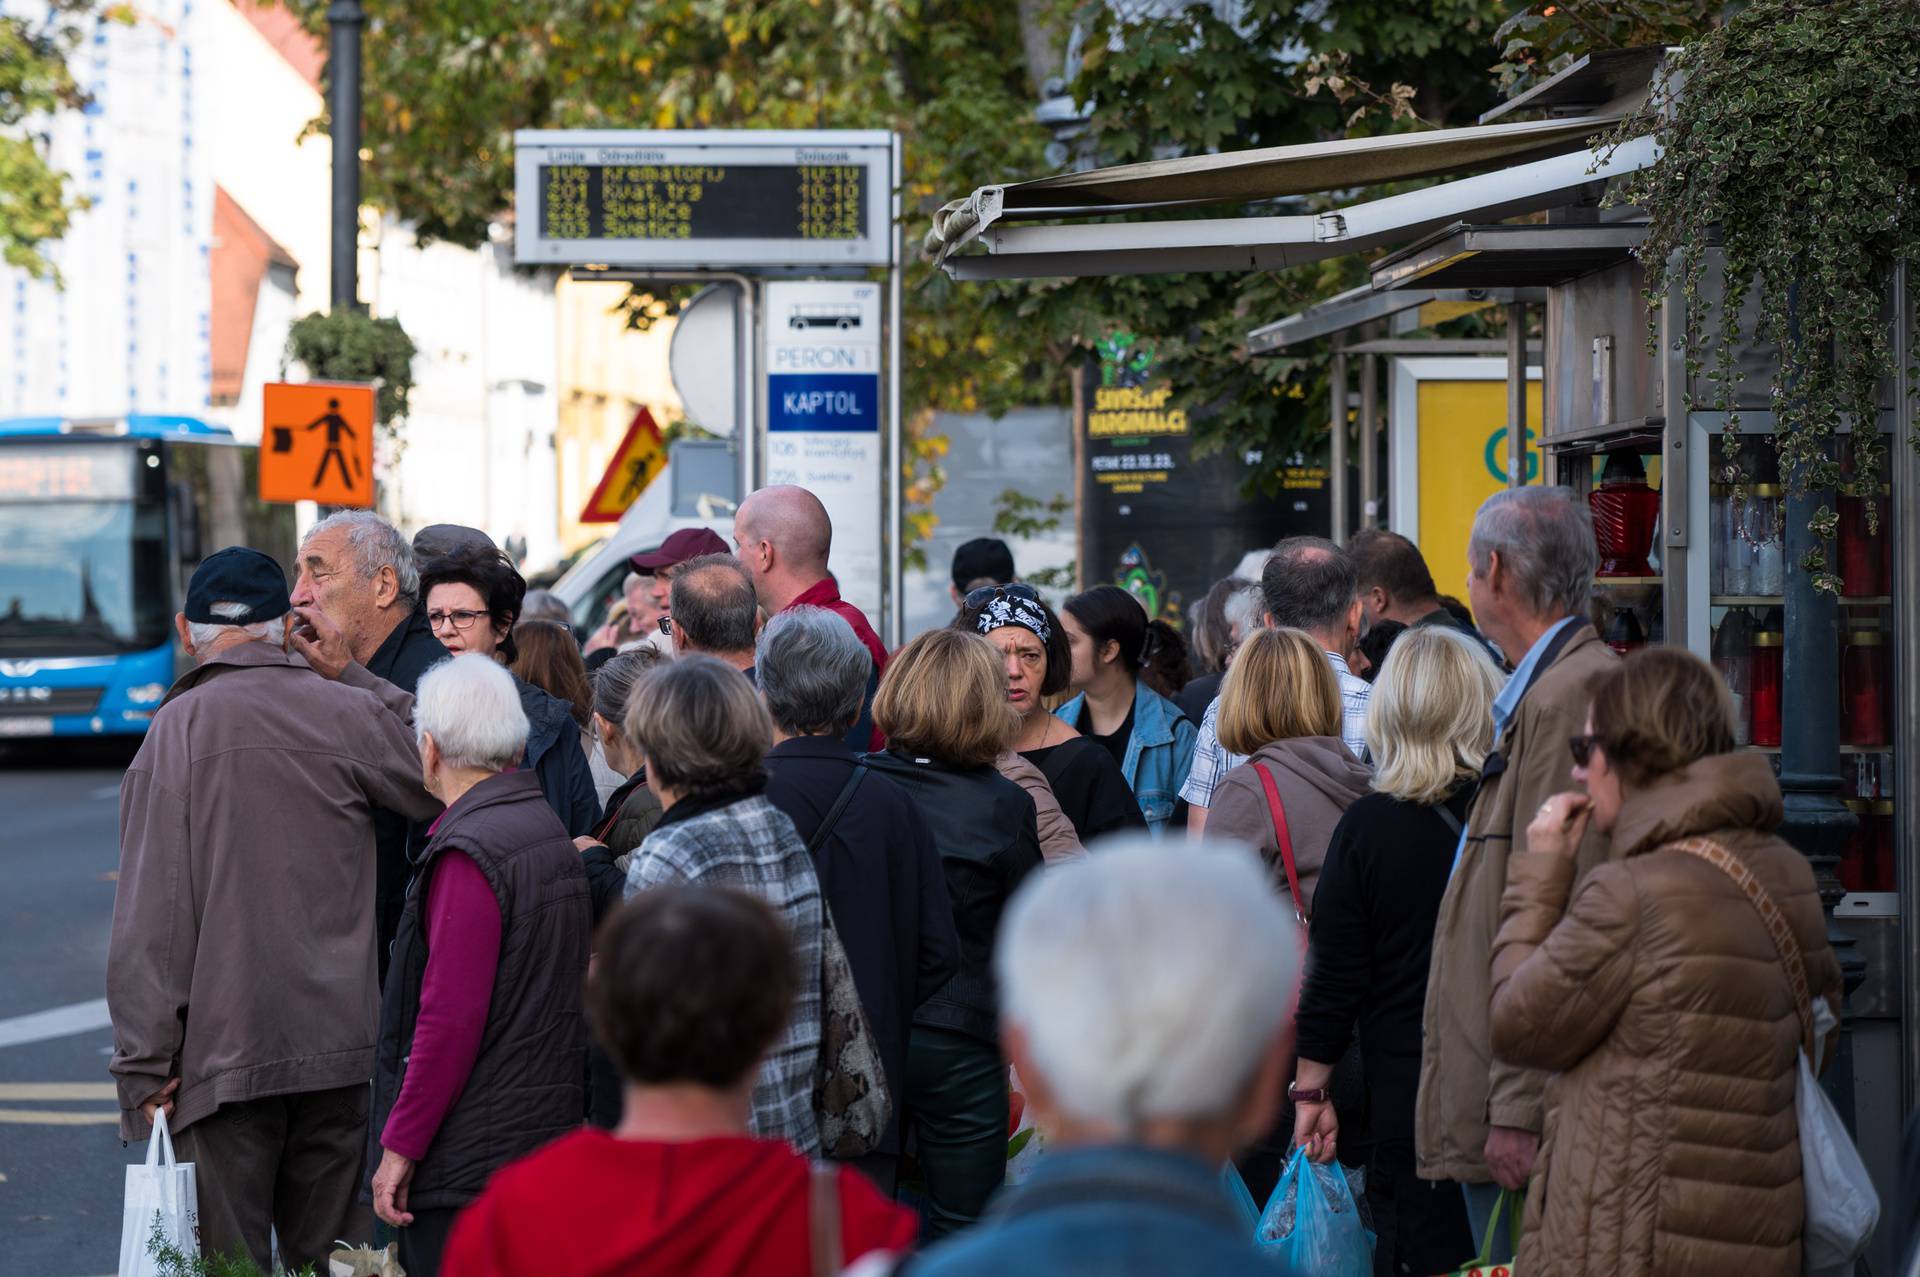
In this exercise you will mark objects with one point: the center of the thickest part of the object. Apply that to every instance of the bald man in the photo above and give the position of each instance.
(784, 537)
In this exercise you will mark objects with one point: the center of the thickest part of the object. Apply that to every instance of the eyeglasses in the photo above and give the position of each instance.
(1582, 748)
(987, 593)
(666, 625)
(462, 620)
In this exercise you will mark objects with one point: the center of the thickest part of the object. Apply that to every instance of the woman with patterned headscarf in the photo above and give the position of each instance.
(1087, 782)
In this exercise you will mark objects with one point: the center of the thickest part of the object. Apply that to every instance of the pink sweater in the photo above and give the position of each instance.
(463, 938)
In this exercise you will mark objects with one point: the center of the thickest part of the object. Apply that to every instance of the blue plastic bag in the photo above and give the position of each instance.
(1313, 1222)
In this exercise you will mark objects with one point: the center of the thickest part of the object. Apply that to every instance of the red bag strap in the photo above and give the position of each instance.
(1776, 922)
(1281, 837)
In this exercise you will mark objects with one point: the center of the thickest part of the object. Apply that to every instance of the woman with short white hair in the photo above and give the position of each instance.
(1429, 729)
(482, 1053)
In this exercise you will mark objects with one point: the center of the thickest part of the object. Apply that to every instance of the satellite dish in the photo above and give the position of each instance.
(703, 359)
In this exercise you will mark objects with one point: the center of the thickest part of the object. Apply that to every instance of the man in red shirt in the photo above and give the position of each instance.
(690, 988)
(784, 537)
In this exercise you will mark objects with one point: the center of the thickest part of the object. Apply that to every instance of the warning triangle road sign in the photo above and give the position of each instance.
(639, 459)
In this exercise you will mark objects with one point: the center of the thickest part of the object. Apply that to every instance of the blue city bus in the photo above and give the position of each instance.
(101, 525)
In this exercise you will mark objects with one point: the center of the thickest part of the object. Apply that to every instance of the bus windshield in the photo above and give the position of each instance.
(82, 578)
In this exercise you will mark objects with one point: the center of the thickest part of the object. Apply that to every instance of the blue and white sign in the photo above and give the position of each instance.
(823, 416)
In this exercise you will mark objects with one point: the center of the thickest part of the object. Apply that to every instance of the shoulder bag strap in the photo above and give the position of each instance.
(823, 1219)
(1282, 838)
(1776, 922)
(1447, 817)
(839, 806)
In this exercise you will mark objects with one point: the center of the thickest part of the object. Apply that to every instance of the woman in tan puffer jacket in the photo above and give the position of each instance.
(1671, 1142)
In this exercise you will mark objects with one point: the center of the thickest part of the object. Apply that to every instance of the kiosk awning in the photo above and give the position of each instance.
(1267, 173)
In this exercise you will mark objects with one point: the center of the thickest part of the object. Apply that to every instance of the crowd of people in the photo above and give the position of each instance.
(722, 940)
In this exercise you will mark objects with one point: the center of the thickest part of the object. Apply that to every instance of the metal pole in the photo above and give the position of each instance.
(1516, 395)
(1337, 446)
(1816, 822)
(1901, 526)
(344, 20)
(895, 623)
(1369, 441)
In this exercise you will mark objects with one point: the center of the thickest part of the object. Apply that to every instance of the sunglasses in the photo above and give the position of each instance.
(1582, 748)
(987, 593)
(666, 625)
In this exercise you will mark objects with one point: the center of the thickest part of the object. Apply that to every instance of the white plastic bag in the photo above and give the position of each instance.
(162, 1195)
(1842, 1207)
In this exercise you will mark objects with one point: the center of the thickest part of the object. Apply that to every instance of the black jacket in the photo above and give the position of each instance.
(884, 882)
(1371, 942)
(528, 1083)
(408, 651)
(983, 827)
(1198, 694)
(554, 754)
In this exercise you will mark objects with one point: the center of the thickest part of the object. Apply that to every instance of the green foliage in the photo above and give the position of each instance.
(36, 202)
(174, 1262)
(350, 345)
(1791, 153)
(1188, 83)
(1015, 514)
(1546, 36)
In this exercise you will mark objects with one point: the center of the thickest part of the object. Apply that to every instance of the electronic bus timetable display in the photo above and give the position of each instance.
(716, 199)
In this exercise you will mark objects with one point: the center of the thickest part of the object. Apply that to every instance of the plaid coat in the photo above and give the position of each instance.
(750, 845)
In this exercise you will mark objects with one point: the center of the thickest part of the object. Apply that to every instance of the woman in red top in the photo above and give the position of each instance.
(691, 986)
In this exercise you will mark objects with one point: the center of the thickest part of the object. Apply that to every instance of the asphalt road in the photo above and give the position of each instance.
(61, 1159)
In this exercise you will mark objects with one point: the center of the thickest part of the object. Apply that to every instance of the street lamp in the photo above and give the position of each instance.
(344, 20)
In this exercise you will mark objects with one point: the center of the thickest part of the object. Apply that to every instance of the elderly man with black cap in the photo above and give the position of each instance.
(240, 971)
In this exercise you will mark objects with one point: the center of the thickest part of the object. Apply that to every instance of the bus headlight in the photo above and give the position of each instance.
(146, 693)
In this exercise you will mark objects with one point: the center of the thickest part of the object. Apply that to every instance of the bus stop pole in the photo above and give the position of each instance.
(1337, 447)
(344, 20)
(895, 621)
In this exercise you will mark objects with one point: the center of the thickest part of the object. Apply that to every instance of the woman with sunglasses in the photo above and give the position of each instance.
(1652, 991)
(473, 600)
(1113, 645)
(1086, 780)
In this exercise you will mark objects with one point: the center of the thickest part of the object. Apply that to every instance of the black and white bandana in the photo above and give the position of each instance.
(1010, 609)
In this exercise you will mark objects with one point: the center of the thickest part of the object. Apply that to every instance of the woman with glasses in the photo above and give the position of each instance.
(473, 599)
(1113, 645)
(1666, 1012)
(1086, 780)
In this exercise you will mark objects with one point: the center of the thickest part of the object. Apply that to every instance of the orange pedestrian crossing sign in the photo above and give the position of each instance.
(316, 443)
(637, 462)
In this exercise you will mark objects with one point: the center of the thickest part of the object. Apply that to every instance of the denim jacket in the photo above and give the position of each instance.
(1159, 753)
(1115, 1211)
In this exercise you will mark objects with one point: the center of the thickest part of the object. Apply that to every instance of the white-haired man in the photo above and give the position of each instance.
(240, 971)
(1145, 1088)
(356, 568)
(1530, 566)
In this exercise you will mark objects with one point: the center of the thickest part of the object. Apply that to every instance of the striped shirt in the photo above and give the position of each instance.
(1211, 762)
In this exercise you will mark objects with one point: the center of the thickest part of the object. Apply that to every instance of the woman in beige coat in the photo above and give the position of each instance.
(1658, 995)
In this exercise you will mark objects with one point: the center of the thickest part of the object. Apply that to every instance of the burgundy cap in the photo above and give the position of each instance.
(687, 543)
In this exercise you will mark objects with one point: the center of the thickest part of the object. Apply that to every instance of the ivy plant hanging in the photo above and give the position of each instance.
(1791, 147)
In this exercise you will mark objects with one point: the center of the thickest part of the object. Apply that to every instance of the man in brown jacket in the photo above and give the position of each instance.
(240, 971)
(1531, 560)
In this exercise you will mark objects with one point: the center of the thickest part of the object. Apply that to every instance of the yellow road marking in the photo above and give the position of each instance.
(48, 1117)
(58, 1091)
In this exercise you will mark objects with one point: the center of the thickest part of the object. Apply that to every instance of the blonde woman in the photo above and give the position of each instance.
(943, 706)
(1280, 706)
(1429, 728)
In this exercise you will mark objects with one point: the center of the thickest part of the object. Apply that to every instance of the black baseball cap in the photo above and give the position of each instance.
(237, 575)
(983, 558)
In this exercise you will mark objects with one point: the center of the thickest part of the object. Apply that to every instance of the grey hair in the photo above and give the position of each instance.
(713, 604)
(613, 682)
(204, 634)
(813, 672)
(1309, 583)
(701, 727)
(1242, 610)
(630, 580)
(470, 706)
(1544, 537)
(375, 544)
(1098, 961)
